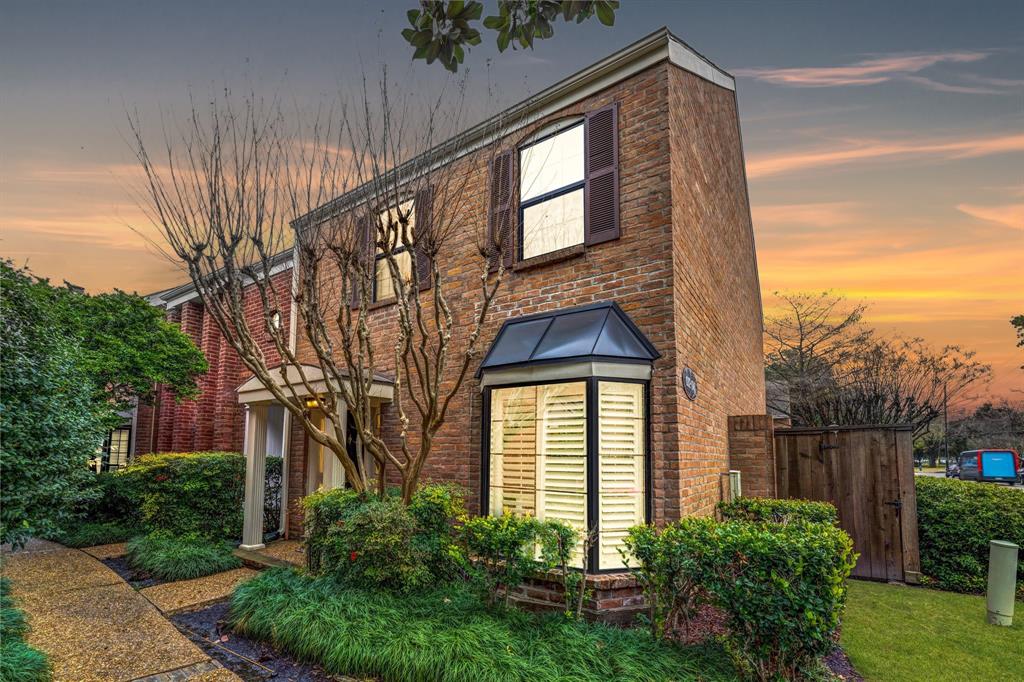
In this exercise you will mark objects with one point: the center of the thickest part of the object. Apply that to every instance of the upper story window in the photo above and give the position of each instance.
(383, 283)
(551, 193)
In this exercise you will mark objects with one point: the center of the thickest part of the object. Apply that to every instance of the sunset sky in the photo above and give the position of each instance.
(884, 143)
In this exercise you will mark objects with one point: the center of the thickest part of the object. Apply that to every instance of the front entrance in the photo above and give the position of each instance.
(868, 474)
(324, 470)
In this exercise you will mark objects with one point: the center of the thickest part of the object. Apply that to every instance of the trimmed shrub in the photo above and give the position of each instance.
(783, 590)
(670, 567)
(501, 551)
(19, 662)
(956, 520)
(189, 492)
(778, 511)
(169, 557)
(448, 635)
(378, 542)
(781, 586)
(92, 533)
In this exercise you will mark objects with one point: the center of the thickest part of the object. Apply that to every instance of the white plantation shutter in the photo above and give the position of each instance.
(621, 434)
(562, 456)
(513, 450)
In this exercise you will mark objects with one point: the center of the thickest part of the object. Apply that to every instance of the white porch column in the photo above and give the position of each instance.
(255, 475)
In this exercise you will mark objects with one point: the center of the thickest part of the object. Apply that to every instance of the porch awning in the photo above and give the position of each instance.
(600, 333)
(253, 390)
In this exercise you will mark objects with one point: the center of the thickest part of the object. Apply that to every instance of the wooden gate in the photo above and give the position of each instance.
(868, 474)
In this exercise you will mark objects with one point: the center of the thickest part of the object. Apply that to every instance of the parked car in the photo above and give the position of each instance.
(991, 466)
(953, 469)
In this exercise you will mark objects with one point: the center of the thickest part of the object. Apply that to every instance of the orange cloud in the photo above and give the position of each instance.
(865, 72)
(821, 214)
(871, 150)
(1011, 215)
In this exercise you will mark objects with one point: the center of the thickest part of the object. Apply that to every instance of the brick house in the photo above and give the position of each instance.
(623, 377)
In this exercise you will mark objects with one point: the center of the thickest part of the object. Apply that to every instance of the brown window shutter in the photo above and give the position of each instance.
(364, 258)
(423, 228)
(501, 219)
(601, 195)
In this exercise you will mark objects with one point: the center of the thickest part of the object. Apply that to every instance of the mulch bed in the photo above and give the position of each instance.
(134, 577)
(709, 623)
(251, 660)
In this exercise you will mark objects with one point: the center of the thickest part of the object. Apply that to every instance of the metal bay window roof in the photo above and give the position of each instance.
(601, 332)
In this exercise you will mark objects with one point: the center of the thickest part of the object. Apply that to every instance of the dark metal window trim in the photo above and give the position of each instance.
(593, 456)
(547, 196)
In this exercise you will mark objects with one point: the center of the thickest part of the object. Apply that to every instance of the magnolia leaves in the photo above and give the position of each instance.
(443, 31)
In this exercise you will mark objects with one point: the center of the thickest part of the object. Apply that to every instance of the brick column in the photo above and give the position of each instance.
(752, 452)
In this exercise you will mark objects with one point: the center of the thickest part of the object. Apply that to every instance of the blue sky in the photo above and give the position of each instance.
(884, 141)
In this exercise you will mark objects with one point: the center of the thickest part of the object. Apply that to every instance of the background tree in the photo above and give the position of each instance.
(444, 31)
(69, 364)
(238, 184)
(990, 425)
(838, 371)
(1018, 324)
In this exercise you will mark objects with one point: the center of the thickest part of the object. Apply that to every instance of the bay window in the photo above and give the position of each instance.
(573, 451)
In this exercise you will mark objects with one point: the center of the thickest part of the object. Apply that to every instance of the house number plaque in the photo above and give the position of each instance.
(690, 383)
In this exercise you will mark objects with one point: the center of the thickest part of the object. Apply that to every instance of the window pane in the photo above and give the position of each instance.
(538, 453)
(552, 164)
(553, 224)
(621, 447)
(389, 222)
(385, 284)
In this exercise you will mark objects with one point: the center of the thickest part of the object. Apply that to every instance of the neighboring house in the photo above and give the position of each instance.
(623, 377)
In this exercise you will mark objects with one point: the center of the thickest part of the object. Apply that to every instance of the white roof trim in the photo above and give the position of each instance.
(564, 370)
(253, 390)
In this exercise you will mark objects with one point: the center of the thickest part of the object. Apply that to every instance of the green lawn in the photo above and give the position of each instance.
(891, 632)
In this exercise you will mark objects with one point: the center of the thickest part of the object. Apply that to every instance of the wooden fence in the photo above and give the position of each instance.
(868, 474)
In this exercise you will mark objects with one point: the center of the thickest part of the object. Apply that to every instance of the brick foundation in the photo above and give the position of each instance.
(615, 598)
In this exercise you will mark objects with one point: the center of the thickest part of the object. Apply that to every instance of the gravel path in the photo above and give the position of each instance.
(93, 625)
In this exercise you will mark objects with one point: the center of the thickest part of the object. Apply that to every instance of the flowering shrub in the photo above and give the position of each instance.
(368, 541)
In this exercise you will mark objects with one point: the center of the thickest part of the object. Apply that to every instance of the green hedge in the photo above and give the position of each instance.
(781, 586)
(171, 557)
(778, 511)
(190, 492)
(956, 520)
(19, 662)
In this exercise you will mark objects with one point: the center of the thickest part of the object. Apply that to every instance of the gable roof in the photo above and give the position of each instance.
(600, 331)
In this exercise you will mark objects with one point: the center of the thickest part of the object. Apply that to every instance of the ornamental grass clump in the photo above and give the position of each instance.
(450, 635)
(19, 662)
(180, 557)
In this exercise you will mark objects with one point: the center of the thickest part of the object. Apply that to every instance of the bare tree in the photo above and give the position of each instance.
(838, 371)
(369, 202)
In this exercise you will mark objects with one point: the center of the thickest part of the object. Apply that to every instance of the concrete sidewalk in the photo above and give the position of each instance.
(93, 625)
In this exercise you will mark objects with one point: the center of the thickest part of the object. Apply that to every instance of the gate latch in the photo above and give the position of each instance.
(895, 503)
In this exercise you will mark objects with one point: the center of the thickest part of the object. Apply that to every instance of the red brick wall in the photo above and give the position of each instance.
(717, 302)
(214, 420)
